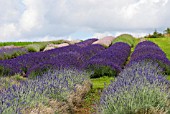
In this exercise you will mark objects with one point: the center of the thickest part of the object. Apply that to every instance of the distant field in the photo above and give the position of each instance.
(27, 43)
(15, 43)
(164, 43)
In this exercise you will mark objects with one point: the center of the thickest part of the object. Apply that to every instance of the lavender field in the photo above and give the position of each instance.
(61, 80)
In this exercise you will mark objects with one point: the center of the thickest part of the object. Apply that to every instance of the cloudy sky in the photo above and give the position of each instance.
(32, 20)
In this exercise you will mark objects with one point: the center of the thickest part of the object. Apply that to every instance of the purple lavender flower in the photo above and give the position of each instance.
(150, 51)
(55, 84)
(141, 85)
(110, 60)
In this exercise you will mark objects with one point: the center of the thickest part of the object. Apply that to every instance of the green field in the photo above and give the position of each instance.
(163, 43)
(28, 43)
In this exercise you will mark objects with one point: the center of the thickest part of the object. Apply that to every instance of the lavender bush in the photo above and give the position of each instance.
(126, 38)
(86, 42)
(70, 56)
(108, 62)
(138, 88)
(9, 53)
(36, 47)
(71, 60)
(52, 85)
(150, 51)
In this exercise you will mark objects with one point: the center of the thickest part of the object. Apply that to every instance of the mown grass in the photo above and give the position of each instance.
(136, 41)
(99, 83)
(93, 97)
(163, 43)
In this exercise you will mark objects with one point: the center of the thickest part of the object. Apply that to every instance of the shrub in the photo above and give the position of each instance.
(1, 71)
(57, 42)
(56, 85)
(126, 38)
(66, 57)
(150, 51)
(109, 61)
(138, 88)
(99, 71)
(33, 47)
(155, 35)
(9, 53)
(36, 47)
(86, 42)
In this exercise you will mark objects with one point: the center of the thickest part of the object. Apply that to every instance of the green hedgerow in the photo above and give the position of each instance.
(126, 38)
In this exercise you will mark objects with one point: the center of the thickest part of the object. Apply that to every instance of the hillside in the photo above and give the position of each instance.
(85, 77)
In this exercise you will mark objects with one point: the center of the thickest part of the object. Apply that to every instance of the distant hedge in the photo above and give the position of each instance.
(126, 38)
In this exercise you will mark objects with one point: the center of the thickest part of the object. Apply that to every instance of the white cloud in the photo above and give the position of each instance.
(101, 35)
(8, 31)
(30, 19)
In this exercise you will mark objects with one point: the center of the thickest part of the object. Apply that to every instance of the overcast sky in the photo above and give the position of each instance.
(32, 20)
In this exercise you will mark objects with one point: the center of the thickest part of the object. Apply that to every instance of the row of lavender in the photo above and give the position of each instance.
(57, 84)
(9, 52)
(141, 88)
(54, 85)
(65, 56)
(110, 61)
(79, 56)
(150, 51)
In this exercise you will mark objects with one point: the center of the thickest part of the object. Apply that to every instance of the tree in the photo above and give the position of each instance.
(157, 34)
(167, 31)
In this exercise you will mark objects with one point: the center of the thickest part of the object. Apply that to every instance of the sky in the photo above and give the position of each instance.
(42, 20)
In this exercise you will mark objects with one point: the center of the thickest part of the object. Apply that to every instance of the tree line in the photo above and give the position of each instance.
(157, 34)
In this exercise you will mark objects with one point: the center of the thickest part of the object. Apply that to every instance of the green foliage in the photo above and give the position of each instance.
(28, 43)
(36, 47)
(167, 31)
(40, 46)
(12, 54)
(15, 43)
(1, 71)
(18, 77)
(142, 101)
(99, 71)
(155, 35)
(168, 77)
(7, 56)
(126, 38)
(57, 42)
(93, 97)
(39, 71)
(100, 83)
(33, 48)
(43, 45)
(4, 71)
